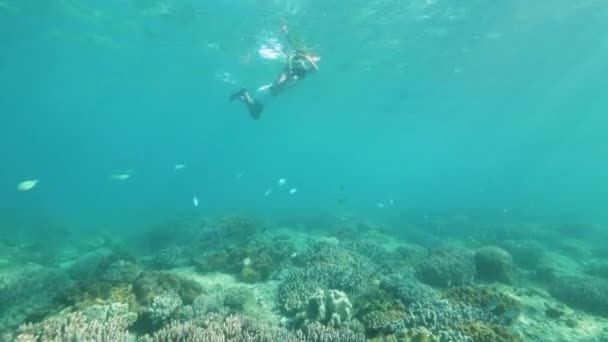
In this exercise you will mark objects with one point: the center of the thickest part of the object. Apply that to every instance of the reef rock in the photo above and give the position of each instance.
(495, 264)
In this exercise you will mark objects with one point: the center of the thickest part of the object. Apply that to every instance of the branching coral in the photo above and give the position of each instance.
(408, 289)
(99, 323)
(164, 306)
(236, 328)
(506, 308)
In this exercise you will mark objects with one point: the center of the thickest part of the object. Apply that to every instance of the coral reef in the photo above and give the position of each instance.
(439, 316)
(597, 268)
(503, 306)
(169, 257)
(582, 292)
(97, 324)
(120, 272)
(482, 332)
(203, 304)
(237, 298)
(378, 321)
(238, 281)
(408, 289)
(297, 287)
(117, 312)
(327, 264)
(495, 264)
(423, 335)
(110, 280)
(447, 266)
(154, 283)
(164, 306)
(376, 308)
(238, 227)
(526, 254)
(100, 261)
(253, 260)
(238, 328)
(28, 293)
(411, 253)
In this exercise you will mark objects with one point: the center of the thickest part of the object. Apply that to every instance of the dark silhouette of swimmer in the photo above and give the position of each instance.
(300, 63)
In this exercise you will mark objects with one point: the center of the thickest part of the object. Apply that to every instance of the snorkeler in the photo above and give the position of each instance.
(300, 63)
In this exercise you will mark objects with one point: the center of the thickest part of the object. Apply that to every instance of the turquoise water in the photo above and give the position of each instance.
(436, 105)
(421, 109)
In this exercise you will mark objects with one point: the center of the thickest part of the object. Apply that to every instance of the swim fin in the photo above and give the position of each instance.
(255, 109)
(237, 94)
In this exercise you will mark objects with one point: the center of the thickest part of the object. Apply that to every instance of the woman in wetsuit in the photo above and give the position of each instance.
(299, 64)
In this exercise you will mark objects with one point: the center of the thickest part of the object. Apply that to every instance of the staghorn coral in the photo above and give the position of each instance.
(103, 324)
(495, 264)
(447, 266)
(236, 328)
(296, 288)
(164, 306)
(408, 289)
(327, 264)
(438, 316)
(377, 321)
(151, 284)
(118, 313)
(582, 292)
(202, 305)
(499, 304)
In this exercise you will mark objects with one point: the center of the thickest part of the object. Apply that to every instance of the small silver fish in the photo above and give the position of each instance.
(179, 166)
(282, 182)
(195, 201)
(293, 191)
(27, 185)
(268, 192)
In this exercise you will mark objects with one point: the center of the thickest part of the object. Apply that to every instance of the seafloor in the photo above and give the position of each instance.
(235, 279)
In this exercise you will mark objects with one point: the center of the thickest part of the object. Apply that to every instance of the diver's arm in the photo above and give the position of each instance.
(287, 38)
